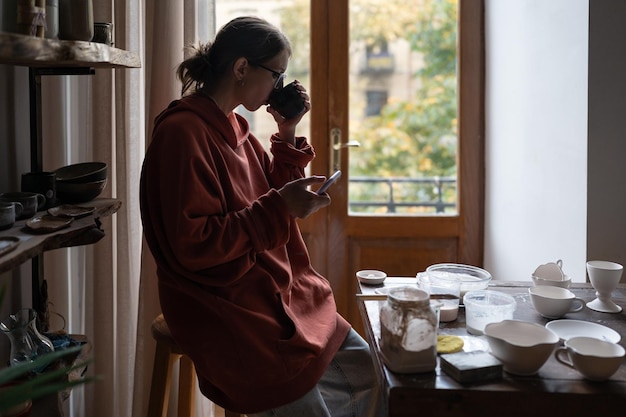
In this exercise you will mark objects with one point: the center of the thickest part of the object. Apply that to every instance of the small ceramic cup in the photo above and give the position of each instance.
(443, 285)
(554, 302)
(595, 359)
(9, 211)
(42, 183)
(31, 202)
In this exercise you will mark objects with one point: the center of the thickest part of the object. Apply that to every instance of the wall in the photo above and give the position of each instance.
(606, 203)
(536, 136)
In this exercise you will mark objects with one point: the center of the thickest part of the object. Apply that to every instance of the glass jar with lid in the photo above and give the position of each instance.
(408, 326)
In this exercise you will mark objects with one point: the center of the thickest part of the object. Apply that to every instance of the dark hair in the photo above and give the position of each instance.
(249, 37)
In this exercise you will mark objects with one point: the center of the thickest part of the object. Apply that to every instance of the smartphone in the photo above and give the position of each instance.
(330, 181)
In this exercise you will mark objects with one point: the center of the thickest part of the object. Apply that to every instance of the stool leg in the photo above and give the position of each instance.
(186, 387)
(161, 381)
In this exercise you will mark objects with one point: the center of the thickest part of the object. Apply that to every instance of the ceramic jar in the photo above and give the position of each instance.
(408, 326)
(76, 20)
(52, 19)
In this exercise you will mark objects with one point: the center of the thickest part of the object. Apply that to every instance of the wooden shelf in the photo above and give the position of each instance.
(82, 231)
(30, 51)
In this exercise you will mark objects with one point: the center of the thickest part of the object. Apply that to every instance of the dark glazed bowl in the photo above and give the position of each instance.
(81, 192)
(84, 172)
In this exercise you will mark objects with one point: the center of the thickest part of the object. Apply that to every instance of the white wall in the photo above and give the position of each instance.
(536, 136)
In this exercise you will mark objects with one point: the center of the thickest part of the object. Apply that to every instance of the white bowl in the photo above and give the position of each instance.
(371, 276)
(522, 347)
(565, 283)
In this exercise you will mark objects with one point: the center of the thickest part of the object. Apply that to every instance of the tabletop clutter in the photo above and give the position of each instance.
(51, 200)
(411, 339)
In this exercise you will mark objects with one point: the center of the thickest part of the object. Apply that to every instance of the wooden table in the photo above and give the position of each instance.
(555, 390)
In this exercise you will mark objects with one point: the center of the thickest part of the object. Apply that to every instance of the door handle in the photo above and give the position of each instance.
(335, 149)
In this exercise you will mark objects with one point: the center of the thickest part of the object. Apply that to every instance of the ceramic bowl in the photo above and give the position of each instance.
(471, 277)
(80, 193)
(371, 276)
(565, 283)
(84, 172)
(522, 347)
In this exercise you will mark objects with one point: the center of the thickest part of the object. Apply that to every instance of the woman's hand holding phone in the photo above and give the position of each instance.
(300, 200)
(330, 181)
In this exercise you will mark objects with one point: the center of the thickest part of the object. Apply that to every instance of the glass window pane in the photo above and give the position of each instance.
(403, 107)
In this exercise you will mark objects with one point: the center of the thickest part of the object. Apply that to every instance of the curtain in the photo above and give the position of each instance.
(108, 290)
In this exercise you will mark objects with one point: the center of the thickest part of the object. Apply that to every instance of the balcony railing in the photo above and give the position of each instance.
(420, 193)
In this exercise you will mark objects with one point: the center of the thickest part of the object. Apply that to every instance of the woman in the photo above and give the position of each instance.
(235, 282)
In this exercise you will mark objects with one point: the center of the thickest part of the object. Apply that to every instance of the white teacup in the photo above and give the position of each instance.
(595, 359)
(554, 302)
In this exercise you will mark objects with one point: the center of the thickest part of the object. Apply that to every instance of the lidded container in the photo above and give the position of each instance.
(408, 327)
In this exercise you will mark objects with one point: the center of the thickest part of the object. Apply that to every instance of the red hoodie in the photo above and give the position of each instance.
(235, 281)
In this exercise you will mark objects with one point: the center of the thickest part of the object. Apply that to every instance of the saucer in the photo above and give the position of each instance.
(47, 223)
(567, 329)
(8, 243)
(70, 210)
(371, 276)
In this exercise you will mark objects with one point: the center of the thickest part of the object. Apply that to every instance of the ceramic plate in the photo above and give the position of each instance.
(567, 329)
(47, 223)
(70, 210)
(8, 243)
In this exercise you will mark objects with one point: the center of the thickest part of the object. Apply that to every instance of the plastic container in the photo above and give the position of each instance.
(471, 277)
(485, 306)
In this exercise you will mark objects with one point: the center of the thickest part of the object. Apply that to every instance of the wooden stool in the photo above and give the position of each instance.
(167, 352)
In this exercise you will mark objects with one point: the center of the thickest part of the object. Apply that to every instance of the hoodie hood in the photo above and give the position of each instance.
(234, 128)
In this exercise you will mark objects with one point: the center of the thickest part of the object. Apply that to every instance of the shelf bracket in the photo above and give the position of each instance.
(39, 290)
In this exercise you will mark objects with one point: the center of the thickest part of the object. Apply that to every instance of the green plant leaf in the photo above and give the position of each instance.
(41, 384)
(13, 372)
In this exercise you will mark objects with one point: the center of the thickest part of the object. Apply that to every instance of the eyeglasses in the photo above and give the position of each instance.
(278, 76)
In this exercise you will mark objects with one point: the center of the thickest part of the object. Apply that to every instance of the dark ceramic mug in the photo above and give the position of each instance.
(42, 183)
(31, 202)
(9, 211)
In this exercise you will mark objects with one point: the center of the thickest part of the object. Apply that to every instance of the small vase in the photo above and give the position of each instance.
(26, 341)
